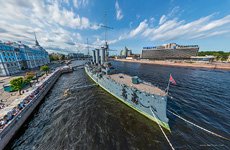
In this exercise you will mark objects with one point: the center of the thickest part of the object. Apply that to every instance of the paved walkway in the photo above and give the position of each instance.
(10, 100)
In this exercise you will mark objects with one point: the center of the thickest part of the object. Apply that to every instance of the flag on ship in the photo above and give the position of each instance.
(172, 80)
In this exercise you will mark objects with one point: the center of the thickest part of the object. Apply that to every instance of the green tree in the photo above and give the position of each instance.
(45, 68)
(53, 57)
(34, 74)
(220, 55)
(17, 84)
(62, 57)
(28, 79)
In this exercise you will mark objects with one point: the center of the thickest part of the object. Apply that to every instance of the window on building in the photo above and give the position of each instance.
(5, 59)
(3, 53)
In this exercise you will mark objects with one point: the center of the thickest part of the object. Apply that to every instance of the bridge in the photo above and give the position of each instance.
(77, 67)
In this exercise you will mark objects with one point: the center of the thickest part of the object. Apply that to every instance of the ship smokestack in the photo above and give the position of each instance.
(106, 51)
(102, 56)
(97, 56)
(94, 56)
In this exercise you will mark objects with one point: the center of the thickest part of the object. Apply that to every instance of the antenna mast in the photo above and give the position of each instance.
(105, 26)
(88, 47)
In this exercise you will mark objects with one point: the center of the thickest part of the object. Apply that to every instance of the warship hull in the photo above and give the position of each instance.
(152, 106)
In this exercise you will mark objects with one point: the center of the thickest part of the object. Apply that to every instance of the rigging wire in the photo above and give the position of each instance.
(206, 130)
(170, 144)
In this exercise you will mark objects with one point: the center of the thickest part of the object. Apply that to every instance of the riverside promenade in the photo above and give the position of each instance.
(13, 118)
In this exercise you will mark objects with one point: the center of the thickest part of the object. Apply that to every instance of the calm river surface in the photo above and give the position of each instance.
(93, 119)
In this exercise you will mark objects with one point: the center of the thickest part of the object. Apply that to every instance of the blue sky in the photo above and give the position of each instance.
(64, 25)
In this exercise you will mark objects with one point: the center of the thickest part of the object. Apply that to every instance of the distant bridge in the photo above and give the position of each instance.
(77, 67)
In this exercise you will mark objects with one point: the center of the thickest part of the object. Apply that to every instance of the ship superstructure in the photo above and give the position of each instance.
(143, 97)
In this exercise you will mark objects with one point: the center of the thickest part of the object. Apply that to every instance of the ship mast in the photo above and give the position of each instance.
(106, 46)
(87, 42)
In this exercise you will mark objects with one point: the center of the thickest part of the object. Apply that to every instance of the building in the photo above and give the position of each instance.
(125, 52)
(15, 57)
(76, 55)
(207, 58)
(133, 56)
(170, 51)
(228, 60)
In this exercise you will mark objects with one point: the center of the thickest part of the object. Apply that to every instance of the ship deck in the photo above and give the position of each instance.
(127, 80)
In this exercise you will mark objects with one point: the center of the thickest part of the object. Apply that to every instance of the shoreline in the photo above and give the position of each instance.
(215, 65)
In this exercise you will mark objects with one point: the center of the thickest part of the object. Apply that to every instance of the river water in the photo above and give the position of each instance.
(90, 118)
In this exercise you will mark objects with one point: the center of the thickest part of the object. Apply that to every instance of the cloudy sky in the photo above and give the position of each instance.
(64, 25)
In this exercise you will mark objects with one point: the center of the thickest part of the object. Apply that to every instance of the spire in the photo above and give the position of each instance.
(36, 41)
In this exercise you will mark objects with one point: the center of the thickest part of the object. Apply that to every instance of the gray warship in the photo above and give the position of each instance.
(143, 97)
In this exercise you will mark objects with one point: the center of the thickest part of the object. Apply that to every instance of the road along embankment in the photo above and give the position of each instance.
(12, 122)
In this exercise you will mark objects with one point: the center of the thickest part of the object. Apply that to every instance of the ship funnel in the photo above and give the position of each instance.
(106, 51)
(102, 56)
(94, 56)
(97, 56)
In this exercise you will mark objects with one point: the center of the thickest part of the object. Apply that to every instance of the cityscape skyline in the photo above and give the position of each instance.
(63, 26)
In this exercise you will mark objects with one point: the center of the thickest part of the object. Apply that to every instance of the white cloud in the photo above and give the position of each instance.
(178, 29)
(151, 20)
(119, 14)
(49, 19)
(175, 29)
(216, 23)
(67, 18)
(171, 14)
(142, 26)
(162, 19)
(80, 3)
(174, 11)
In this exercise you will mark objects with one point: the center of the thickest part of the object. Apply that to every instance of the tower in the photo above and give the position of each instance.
(36, 41)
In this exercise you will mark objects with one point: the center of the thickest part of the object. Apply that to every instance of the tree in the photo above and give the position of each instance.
(53, 57)
(31, 73)
(28, 79)
(62, 57)
(220, 55)
(17, 84)
(45, 68)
